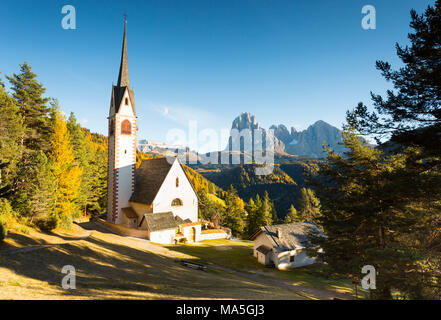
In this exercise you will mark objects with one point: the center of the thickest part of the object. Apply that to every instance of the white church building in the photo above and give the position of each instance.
(156, 199)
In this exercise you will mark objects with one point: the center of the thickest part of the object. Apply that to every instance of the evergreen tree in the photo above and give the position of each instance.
(83, 152)
(265, 212)
(309, 206)
(35, 194)
(292, 216)
(370, 218)
(11, 130)
(234, 212)
(252, 224)
(411, 113)
(33, 110)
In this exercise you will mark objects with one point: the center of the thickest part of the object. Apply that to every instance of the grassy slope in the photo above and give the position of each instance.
(109, 266)
(238, 256)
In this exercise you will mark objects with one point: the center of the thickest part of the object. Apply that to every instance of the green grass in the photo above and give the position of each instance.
(239, 257)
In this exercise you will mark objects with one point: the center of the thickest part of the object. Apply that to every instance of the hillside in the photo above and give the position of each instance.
(109, 266)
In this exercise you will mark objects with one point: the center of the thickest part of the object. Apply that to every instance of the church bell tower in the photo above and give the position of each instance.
(122, 141)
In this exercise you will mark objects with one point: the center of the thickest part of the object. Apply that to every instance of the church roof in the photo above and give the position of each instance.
(160, 221)
(123, 77)
(149, 178)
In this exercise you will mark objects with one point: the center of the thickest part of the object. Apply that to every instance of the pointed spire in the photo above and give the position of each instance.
(123, 78)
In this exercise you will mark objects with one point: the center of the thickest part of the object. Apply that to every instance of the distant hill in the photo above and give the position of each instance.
(283, 185)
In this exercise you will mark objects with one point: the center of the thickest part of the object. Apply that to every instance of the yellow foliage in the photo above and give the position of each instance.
(67, 175)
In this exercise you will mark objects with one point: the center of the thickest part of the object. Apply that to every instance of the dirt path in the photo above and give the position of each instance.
(318, 294)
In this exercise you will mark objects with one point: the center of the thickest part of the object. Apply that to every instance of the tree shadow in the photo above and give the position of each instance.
(110, 270)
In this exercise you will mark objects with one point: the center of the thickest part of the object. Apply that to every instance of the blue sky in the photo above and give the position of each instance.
(287, 62)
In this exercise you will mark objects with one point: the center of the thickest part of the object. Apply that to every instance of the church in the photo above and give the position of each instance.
(157, 198)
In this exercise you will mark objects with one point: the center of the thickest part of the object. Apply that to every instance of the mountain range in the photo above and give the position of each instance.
(306, 143)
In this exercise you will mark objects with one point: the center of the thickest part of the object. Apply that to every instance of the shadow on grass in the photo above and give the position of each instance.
(110, 270)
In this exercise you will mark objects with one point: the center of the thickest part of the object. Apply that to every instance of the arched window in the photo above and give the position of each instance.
(177, 182)
(126, 101)
(126, 127)
(176, 202)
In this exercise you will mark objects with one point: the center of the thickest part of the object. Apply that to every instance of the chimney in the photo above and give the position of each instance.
(279, 233)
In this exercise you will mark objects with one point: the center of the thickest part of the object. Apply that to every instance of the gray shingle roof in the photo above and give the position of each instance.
(160, 221)
(149, 178)
(180, 221)
(289, 236)
(263, 249)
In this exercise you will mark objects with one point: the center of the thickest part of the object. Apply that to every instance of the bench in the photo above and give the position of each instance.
(193, 265)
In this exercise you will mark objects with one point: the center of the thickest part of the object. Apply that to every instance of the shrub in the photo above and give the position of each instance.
(48, 224)
(5, 209)
(3, 229)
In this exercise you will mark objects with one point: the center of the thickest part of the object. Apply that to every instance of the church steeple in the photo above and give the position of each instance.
(123, 78)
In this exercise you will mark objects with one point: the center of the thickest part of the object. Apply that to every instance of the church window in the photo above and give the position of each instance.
(126, 101)
(177, 182)
(176, 202)
(126, 127)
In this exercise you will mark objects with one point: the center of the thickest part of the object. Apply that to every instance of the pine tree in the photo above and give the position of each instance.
(371, 217)
(411, 113)
(292, 216)
(82, 153)
(309, 206)
(33, 110)
(252, 225)
(265, 212)
(67, 174)
(234, 212)
(11, 130)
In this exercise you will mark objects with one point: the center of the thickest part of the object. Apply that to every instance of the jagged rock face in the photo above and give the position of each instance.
(245, 121)
(282, 133)
(246, 124)
(308, 142)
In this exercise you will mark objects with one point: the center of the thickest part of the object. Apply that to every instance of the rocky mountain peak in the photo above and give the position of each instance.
(245, 121)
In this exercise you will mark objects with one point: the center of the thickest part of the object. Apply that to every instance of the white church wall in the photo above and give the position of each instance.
(218, 234)
(168, 191)
(163, 236)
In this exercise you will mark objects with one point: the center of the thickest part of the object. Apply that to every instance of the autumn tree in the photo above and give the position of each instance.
(67, 174)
